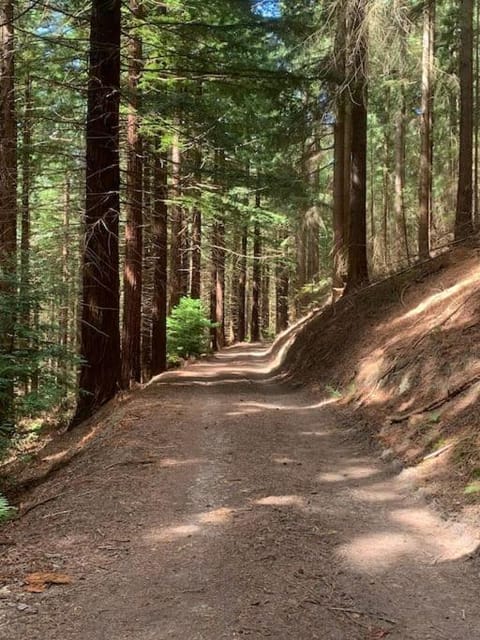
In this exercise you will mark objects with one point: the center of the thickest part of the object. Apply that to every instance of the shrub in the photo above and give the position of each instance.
(6, 511)
(188, 330)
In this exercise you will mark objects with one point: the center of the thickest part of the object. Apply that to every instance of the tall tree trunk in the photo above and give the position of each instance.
(185, 243)
(282, 298)
(147, 277)
(195, 290)
(27, 127)
(159, 242)
(25, 227)
(100, 335)
(339, 168)
(65, 301)
(426, 122)
(347, 184)
(399, 174)
(176, 237)
(257, 278)
(313, 258)
(313, 220)
(8, 200)
(132, 280)
(220, 284)
(357, 256)
(387, 172)
(301, 275)
(242, 286)
(282, 291)
(463, 215)
(339, 257)
(196, 280)
(265, 298)
(217, 298)
(476, 169)
(213, 287)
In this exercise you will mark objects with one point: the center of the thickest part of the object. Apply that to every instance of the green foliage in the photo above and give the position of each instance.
(37, 373)
(6, 511)
(333, 392)
(472, 488)
(187, 330)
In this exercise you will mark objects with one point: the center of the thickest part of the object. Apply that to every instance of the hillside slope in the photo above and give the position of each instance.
(405, 354)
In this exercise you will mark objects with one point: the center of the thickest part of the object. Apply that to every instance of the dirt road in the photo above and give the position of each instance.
(224, 504)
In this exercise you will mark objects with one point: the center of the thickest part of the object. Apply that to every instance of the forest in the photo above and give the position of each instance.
(256, 157)
(239, 302)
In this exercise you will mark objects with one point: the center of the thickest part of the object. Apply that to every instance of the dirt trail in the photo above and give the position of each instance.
(229, 505)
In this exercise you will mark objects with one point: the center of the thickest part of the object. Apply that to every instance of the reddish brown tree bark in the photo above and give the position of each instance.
(176, 238)
(160, 243)
(64, 312)
(27, 129)
(339, 168)
(242, 286)
(256, 278)
(463, 216)
(100, 335)
(357, 255)
(147, 277)
(196, 245)
(195, 289)
(426, 125)
(8, 143)
(265, 301)
(132, 279)
(399, 175)
(217, 297)
(8, 202)
(282, 289)
(25, 221)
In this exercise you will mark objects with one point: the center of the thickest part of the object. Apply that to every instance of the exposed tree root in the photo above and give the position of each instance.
(439, 402)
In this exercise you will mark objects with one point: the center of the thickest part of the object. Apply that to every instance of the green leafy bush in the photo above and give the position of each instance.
(188, 330)
(6, 511)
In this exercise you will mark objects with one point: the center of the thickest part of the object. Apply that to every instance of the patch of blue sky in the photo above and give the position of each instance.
(267, 8)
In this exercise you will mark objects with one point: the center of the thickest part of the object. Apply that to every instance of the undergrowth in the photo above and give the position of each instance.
(188, 330)
(6, 511)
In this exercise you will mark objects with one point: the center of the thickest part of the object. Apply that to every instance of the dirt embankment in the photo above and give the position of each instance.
(406, 355)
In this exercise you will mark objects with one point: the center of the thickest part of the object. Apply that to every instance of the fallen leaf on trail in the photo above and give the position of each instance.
(39, 582)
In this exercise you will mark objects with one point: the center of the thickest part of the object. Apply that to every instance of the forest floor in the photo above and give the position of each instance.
(222, 502)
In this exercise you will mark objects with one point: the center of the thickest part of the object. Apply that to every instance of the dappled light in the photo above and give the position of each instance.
(283, 460)
(376, 493)
(347, 473)
(173, 533)
(253, 502)
(465, 284)
(378, 551)
(218, 516)
(281, 501)
(174, 462)
(408, 533)
(278, 407)
(316, 434)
